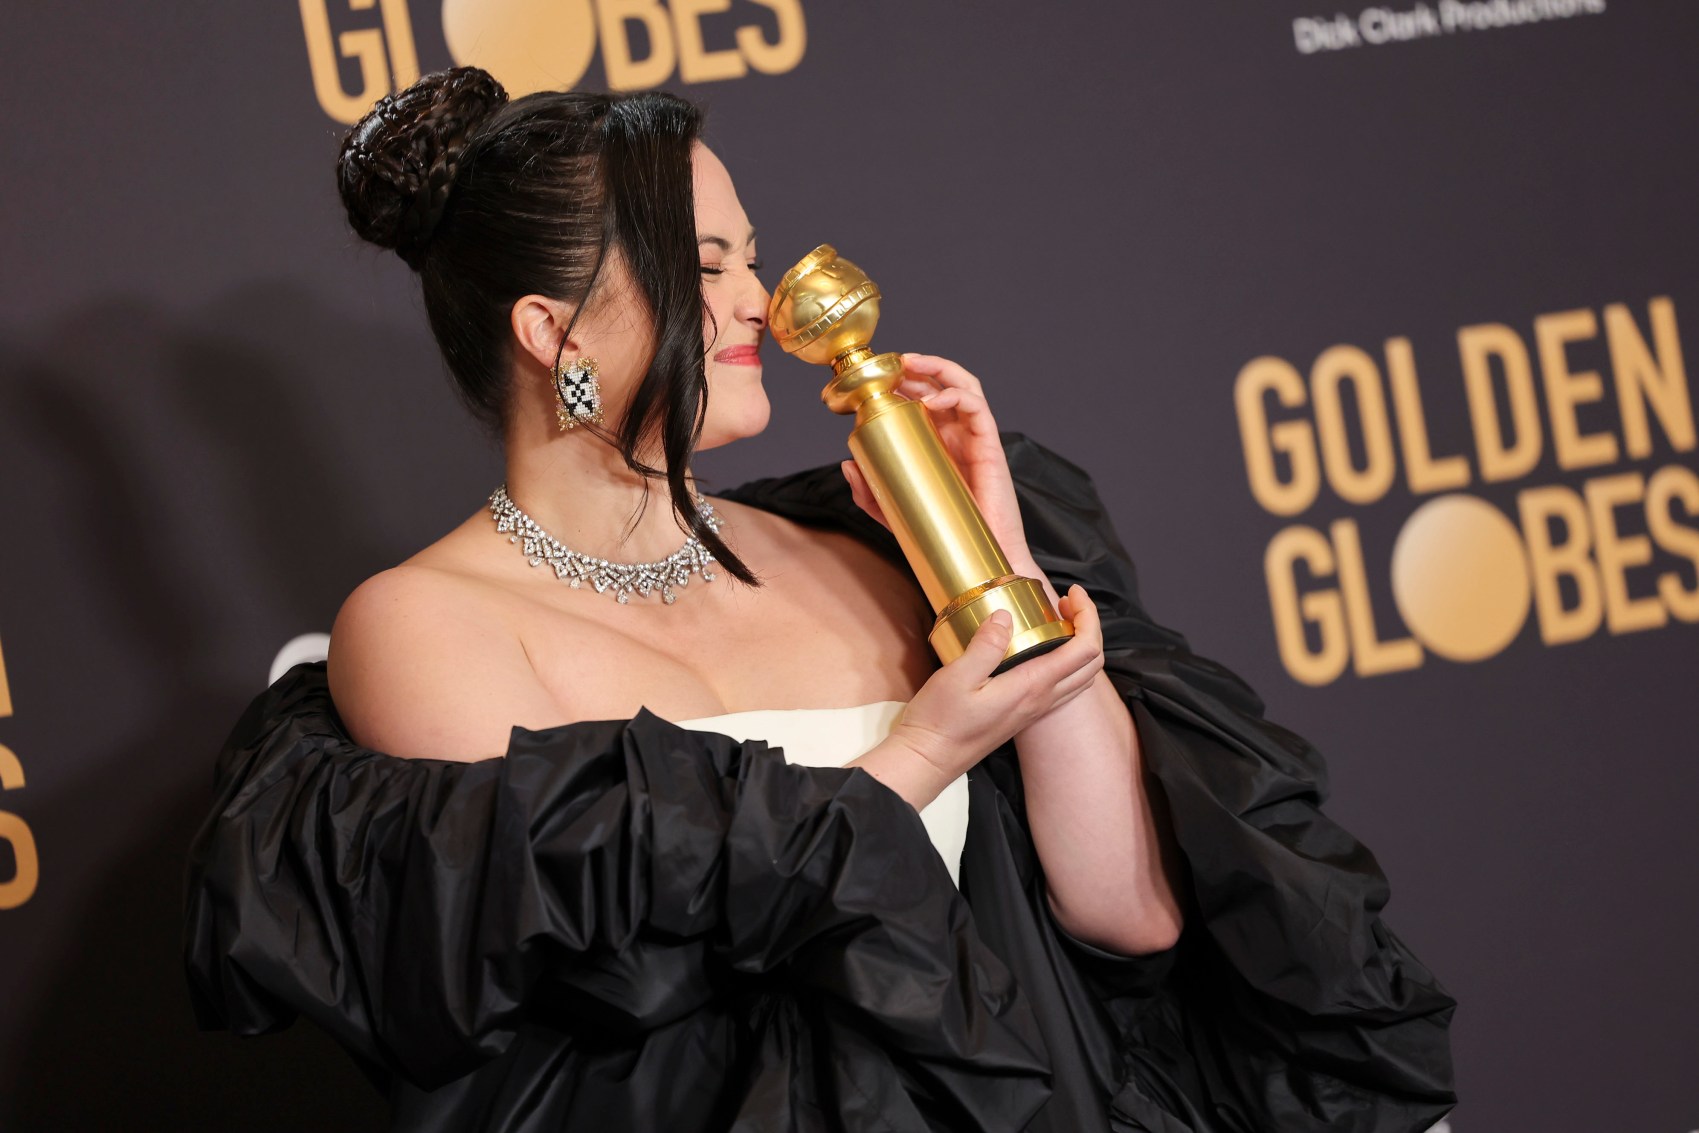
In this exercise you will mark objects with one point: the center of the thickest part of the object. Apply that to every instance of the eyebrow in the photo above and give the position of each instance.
(722, 243)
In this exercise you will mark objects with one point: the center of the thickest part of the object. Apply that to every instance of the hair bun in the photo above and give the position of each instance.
(397, 164)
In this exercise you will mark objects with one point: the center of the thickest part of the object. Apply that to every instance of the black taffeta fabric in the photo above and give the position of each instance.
(625, 924)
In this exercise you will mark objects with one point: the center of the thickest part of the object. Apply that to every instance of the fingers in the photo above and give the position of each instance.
(1087, 642)
(1058, 675)
(970, 407)
(1067, 692)
(985, 649)
(1082, 611)
(926, 374)
(941, 385)
(861, 493)
(1073, 685)
(1079, 605)
(945, 372)
(1081, 654)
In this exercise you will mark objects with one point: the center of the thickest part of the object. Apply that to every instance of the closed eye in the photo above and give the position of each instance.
(715, 269)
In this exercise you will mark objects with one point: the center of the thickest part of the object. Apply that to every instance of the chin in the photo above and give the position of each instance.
(727, 423)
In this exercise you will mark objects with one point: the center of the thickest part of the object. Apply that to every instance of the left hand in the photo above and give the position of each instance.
(956, 402)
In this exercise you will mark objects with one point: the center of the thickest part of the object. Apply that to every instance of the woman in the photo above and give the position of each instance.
(544, 847)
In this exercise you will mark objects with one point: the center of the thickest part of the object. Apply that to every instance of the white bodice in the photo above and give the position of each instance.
(831, 737)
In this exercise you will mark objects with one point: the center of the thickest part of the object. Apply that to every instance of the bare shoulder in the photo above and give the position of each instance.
(830, 551)
(423, 663)
(773, 538)
(841, 584)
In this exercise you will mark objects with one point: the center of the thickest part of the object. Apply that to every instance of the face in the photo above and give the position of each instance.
(736, 329)
(618, 333)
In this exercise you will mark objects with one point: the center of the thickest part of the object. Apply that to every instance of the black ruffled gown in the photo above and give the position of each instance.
(628, 925)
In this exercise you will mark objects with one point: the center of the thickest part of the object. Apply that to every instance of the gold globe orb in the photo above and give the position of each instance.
(824, 308)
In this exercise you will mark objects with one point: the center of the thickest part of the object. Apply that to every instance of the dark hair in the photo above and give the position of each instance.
(489, 199)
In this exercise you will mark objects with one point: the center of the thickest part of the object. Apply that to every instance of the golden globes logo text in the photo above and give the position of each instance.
(1616, 552)
(14, 831)
(361, 50)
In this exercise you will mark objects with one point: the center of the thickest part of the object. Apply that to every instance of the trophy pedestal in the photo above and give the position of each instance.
(1036, 629)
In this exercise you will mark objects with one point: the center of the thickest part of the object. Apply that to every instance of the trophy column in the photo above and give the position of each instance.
(824, 311)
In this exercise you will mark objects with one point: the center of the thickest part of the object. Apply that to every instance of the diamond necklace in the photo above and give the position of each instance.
(622, 578)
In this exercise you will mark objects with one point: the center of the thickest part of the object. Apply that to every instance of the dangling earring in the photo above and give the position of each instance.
(578, 396)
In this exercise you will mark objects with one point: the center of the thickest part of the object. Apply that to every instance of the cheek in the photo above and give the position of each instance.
(717, 317)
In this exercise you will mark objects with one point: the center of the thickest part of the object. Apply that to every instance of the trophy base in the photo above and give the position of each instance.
(1037, 629)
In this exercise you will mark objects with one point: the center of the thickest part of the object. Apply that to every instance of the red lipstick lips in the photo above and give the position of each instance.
(740, 355)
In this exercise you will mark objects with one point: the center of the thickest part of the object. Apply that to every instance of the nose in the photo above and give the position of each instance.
(751, 308)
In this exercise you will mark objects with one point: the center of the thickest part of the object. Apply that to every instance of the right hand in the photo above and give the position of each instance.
(963, 713)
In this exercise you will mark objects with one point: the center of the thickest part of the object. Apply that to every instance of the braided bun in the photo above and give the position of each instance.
(397, 164)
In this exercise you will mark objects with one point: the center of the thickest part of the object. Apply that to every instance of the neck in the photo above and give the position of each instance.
(576, 487)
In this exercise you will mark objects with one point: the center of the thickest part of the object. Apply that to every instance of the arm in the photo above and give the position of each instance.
(1098, 833)
(1105, 851)
(1301, 1006)
(917, 779)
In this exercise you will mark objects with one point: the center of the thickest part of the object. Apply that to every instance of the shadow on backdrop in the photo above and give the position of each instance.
(242, 418)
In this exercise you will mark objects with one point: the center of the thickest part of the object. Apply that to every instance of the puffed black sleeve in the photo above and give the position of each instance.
(1288, 1002)
(423, 911)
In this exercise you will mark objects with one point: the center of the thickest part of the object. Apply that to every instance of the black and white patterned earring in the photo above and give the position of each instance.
(578, 396)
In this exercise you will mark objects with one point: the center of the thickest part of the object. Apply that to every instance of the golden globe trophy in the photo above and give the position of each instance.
(824, 311)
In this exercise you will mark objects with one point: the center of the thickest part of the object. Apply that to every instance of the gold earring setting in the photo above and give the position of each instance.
(578, 396)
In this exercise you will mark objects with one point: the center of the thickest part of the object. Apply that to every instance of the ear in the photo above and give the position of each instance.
(538, 323)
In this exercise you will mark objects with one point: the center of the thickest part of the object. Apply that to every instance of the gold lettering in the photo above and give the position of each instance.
(1642, 380)
(1337, 365)
(1666, 484)
(1422, 472)
(365, 46)
(1477, 346)
(1370, 655)
(1566, 389)
(16, 832)
(5, 688)
(785, 52)
(1549, 562)
(1615, 553)
(403, 55)
(1260, 441)
(1320, 608)
(624, 72)
(696, 64)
